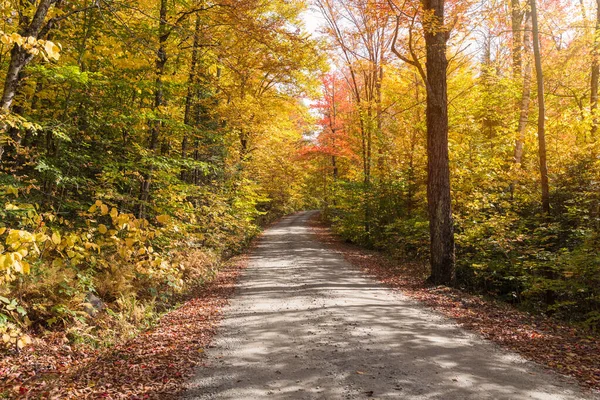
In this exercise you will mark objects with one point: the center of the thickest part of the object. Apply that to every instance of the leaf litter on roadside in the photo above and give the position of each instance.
(153, 365)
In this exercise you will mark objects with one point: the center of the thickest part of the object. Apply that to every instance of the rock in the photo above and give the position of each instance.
(93, 304)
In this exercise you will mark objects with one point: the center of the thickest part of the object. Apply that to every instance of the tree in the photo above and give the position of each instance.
(439, 203)
(441, 226)
(523, 65)
(360, 30)
(541, 110)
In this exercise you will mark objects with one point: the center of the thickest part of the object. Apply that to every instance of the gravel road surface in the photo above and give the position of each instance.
(305, 324)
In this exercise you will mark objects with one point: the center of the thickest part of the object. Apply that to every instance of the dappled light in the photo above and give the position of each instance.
(306, 324)
(151, 149)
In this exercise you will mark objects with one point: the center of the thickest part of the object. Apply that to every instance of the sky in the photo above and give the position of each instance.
(313, 20)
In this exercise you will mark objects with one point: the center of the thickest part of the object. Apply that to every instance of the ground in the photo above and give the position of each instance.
(306, 324)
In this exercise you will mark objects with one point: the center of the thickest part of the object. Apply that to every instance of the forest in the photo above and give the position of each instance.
(143, 143)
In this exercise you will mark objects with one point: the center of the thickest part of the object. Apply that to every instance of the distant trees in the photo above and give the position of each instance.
(361, 34)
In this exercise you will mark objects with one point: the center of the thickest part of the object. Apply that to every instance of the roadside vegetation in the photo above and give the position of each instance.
(143, 143)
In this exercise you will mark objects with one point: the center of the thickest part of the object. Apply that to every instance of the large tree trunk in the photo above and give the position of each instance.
(595, 74)
(441, 226)
(525, 94)
(541, 110)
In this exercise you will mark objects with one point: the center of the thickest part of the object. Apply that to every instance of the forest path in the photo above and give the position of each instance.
(305, 324)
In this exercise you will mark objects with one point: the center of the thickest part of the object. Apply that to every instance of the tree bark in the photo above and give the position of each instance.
(541, 110)
(517, 37)
(525, 95)
(191, 92)
(161, 61)
(20, 57)
(441, 226)
(414, 137)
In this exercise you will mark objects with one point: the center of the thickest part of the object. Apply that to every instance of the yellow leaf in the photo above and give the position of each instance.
(26, 237)
(16, 38)
(163, 219)
(102, 229)
(122, 220)
(17, 265)
(71, 240)
(52, 50)
(104, 209)
(114, 213)
(12, 190)
(2, 230)
(5, 262)
(41, 237)
(56, 239)
(129, 242)
(93, 208)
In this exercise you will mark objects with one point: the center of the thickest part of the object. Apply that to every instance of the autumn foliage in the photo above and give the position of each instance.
(142, 143)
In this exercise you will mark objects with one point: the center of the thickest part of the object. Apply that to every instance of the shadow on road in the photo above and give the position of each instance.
(305, 324)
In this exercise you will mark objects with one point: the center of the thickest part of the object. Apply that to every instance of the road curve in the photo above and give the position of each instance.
(305, 324)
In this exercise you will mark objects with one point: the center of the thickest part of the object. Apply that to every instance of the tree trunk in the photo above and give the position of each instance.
(517, 38)
(19, 57)
(525, 95)
(542, 110)
(191, 93)
(414, 137)
(161, 61)
(379, 116)
(595, 74)
(441, 225)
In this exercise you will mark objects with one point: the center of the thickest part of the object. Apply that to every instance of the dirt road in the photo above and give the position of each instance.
(305, 324)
